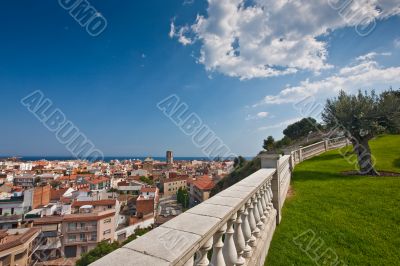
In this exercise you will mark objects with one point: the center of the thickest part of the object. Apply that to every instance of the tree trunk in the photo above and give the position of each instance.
(361, 148)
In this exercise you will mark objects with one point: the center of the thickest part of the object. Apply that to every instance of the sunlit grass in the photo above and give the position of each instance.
(357, 217)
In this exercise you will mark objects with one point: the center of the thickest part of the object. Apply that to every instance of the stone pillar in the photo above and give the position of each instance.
(326, 145)
(300, 154)
(271, 161)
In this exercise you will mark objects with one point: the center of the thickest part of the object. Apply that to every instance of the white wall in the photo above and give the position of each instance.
(130, 230)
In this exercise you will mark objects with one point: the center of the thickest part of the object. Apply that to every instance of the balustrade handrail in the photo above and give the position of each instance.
(312, 145)
(237, 224)
(239, 212)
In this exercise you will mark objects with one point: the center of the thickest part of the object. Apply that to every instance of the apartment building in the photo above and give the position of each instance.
(24, 181)
(98, 205)
(49, 244)
(200, 189)
(82, 231)
(16, 246)
(13, 207)
(99, 183)
(172, 185)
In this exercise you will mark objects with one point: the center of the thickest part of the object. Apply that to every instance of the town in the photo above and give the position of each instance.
(52, 212)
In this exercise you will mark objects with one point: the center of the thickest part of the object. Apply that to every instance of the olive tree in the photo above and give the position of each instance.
(361, 117)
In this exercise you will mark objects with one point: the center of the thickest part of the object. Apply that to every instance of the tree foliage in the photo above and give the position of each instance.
(361, 117)
(182, 196)
(146, 180)
(302, 128)
(239, 161)
(269, 143)
(104, 248)
(55, 183)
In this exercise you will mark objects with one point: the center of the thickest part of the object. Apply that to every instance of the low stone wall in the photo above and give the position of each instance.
(130, 230)
(236, 226)
(243, 214)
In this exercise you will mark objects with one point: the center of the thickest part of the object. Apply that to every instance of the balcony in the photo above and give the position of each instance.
(82, 229)
(235, 227)
(81, 240)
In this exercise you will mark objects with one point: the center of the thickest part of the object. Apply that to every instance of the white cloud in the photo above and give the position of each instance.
(262, 114)
(396, 42)
(180, 34)
(371, 56)
(259, 115)
(365, 74)
(188, 2)
(281, 124)
(264, 38)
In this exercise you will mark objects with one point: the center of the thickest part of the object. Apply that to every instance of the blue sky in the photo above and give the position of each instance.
(240, 65)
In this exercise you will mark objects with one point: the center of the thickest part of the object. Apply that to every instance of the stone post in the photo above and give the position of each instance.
(326, 144)
(271, 161)
(300, 154)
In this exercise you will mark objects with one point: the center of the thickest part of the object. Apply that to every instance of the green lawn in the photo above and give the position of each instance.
(356, 218)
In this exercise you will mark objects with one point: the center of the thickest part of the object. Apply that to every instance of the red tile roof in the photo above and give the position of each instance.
(204, 183)
(148, 189)
(94, 203)
(97, 180)
(86, 217)
(9, 241)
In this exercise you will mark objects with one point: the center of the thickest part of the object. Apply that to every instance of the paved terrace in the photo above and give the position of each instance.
(235, 227)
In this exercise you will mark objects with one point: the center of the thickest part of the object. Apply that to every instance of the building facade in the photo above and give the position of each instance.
(16, 246)
(84, 230)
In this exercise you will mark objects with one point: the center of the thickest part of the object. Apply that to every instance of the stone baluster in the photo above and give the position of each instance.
(217, 258)
(270, 192)
(239, 238)
(270, 195)
(252, 222)
(229, 249)
(202, 259)
(257, 217)
(263, 200)
(261, 210)
(248, 237)
(267, 200)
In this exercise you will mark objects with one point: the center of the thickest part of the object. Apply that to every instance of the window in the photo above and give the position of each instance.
(12, 211)
(20, 256)
(93, 237)
(107, 221)
(1, 211)
(5, 261)
(72, 226)
(109, 206)
(107, 232)
(71, 238)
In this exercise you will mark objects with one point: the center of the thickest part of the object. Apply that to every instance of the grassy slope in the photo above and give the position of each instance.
(358, 217)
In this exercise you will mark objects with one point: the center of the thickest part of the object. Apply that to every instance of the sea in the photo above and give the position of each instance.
(107, 158)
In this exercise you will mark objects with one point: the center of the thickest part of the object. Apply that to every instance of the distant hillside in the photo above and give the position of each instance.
(254, 165)
(238, 174)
